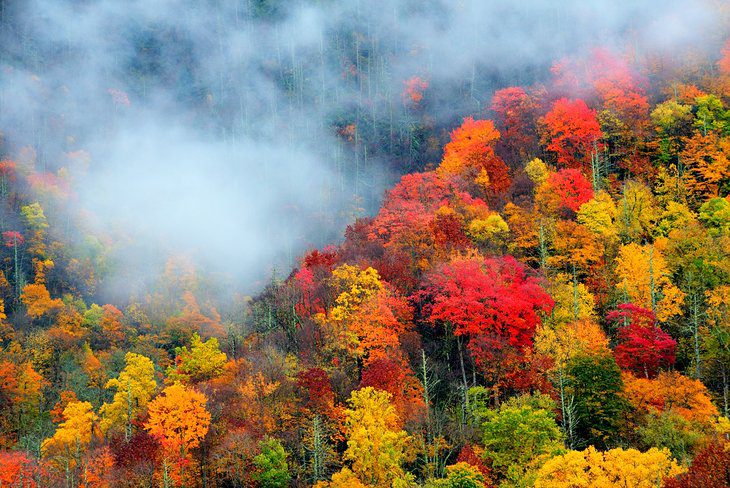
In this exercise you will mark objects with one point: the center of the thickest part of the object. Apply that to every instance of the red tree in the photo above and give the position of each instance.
(571, 131)
(643, 347)
(572, 188)
(493, 295)
(711, 467)
(516, 114)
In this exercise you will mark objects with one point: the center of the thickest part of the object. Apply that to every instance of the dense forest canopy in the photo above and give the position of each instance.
(364, 244)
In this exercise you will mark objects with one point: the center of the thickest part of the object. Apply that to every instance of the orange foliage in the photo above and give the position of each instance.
(670, 391)
(178, 419)
(572, 132)
(38, 301)
(471, 151)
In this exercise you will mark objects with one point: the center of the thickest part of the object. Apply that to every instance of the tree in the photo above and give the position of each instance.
(645, 280)
(707, 163)
(17, 468)
(617, 467)
(471, 152)
(516, 112)
(571, 131)
(670, 391)
(710, 467)
(134, 388)
(272, 468)
(376, 449)
(519, 437)
(596, 384)
(203, 361)
(38, 301)
(459, 475)
(73, 436)
(178, 419)
(571, 187)
(491, 295)
(643, 347)
(492, 301)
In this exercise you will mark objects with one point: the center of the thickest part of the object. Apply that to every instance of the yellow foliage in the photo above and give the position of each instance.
(644, 277)
(73, 435)
(178, 419)
(357, 286)
(583, 337)
(618, 467)
(134, 387)
(599, 215)
(484, 230)
(573, 301)
(375, 449)
(537, 171)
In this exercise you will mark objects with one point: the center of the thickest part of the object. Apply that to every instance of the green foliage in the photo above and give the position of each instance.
(715, 214)
(272, 470)
(459, 475)
(671, 431)
(595, 382)
(520, 436)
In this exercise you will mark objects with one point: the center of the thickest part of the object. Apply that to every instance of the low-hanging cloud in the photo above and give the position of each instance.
(210, 124)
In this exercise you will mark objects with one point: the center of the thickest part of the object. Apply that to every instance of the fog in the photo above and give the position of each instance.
(212, 126)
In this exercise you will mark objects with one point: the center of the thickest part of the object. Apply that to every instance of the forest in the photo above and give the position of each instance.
(532, 288)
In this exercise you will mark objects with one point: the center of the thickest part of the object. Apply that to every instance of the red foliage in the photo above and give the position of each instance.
(13, 238)
(414, 89)
(17, 469)
(410, 204)
(724, 63)
(710, 468)
(643, 347)
(448, 232)
(396, 378)
(469, 456)
(516, 114)
(326, 258)
(491, 296)
(317, 394)
(7, 169)
(572, 187)
(628, 313)
(141, 450)
(572, 130)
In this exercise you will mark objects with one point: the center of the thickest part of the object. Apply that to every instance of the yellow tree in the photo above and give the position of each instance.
(599, 215)
(376, 449)
(637, 212)
(134, 387)
(618, 467)
(644, 280)
(203, 361)
(73, 436)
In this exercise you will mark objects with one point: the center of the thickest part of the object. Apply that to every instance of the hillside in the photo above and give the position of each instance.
(542, 298)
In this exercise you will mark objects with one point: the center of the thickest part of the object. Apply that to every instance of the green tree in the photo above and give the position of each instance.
(595, 382)
(520, 436)
(272, 468)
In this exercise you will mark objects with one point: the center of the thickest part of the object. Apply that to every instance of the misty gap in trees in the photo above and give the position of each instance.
(261, 243)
